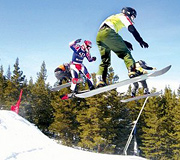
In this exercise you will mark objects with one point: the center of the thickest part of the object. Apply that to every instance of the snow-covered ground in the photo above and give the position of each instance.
(21, 140)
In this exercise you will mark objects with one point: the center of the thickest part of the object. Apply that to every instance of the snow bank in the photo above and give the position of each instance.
(21, 140)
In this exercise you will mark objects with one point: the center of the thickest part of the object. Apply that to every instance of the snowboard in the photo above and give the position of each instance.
(59, 87)
(122, 83)
(140, 97)
(88, 93)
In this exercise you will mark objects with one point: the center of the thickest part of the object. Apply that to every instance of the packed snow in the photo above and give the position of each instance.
(21, 140)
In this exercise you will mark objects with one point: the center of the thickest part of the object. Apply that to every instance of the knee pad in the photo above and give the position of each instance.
(74, 80)
(88, 76)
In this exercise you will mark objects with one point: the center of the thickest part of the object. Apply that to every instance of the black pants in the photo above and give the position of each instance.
(136, 86)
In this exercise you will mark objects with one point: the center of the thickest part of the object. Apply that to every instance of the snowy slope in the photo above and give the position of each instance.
(21, 140)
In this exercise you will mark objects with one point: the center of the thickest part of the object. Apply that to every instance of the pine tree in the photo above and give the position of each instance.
(168, 125)
(26, 109)
(30, 86)
(178, 91)
(14, 83)
(151, 147)
(176, 134)
(65, 125)
(2, 86)
(18, 77)
(102, 120)
(8, 87)
(89, 127)
(119, 125)
(8, 75)
(157, 137)
(42, 109)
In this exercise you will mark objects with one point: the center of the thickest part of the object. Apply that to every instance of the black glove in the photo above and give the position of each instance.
(94, 58)
(129, 45)
(143, 44)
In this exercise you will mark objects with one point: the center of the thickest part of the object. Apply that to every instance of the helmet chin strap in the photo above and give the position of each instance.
(132, 17)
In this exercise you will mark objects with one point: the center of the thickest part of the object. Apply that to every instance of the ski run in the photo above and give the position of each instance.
(21, 140)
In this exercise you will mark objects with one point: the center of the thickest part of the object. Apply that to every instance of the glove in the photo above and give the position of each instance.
(129, 45)
(145, 72)
(143, 44)
(78, 41)
(94, 58)
(154, 68)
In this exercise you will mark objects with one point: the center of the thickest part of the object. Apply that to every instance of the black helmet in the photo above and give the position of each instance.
(130, 12)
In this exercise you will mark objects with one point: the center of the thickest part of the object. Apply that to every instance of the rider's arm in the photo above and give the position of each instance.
(89, 58)
(144, 66)
(135, 33)
(74, 46)
(129, 24)
(137, 36)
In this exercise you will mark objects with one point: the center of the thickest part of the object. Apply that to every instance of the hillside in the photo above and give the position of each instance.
(21, 140)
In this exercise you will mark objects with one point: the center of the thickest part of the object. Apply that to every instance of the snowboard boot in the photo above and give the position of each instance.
(91, 87)
(60, 82)
(90, 84)
(100, 84)
(132, 72)
(146, 91)
(67, 96)
(75, 91)
(64, 97)
(100, 81)
(133, 94)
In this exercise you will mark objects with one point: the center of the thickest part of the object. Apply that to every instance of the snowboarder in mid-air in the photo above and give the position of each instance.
(109, 40)
(76, 67)
(141, 67)
(62, 72)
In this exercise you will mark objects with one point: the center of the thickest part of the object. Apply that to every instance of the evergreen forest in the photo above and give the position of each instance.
(101, 123)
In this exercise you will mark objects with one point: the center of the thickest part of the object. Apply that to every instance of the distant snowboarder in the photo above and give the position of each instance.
(140, 66)
(62, 72)
(80, 52)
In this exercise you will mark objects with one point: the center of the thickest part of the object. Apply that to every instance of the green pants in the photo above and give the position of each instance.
(107, 39)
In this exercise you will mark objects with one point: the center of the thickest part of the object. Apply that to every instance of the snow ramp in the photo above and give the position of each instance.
(21, 140)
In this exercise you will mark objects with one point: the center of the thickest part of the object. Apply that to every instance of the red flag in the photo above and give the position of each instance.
(16, 107)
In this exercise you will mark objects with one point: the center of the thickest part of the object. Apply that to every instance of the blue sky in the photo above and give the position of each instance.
(40, 30)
